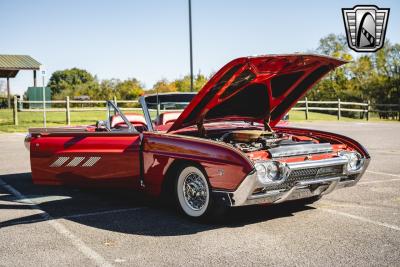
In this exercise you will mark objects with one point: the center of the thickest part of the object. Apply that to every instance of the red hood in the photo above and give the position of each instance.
(255, 88)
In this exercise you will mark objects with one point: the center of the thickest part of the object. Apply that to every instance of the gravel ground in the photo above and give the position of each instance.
(50, 226)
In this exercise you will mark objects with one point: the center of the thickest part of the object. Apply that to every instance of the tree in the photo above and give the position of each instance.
(183, 85)
(129, 89)
(374, 76)
(68, 81)
(335, 46)
(163, 86)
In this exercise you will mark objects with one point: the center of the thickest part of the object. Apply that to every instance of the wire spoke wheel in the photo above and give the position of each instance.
(193, 191)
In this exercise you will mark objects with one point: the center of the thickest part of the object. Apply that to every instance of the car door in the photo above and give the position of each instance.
(86, 158)
(106, 155)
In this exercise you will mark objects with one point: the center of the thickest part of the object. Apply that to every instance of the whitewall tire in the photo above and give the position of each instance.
(193, 191)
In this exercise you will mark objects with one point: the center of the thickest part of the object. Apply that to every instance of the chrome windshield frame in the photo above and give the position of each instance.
(131, 128)
(146, 114)
(143, 101)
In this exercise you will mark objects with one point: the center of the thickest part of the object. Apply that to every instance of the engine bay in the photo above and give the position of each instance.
(256, 140)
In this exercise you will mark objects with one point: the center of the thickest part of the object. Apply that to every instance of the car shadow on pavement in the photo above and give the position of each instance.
(118, 210)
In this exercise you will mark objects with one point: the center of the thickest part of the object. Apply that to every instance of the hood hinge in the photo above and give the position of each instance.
(267, 120)
(200, 128)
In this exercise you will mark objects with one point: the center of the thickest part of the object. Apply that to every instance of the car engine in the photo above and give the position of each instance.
(251, 140)
(255, 140)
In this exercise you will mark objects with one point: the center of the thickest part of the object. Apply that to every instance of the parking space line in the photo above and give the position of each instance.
(384, 173)
(345, 204)
(363, 219)
(379, 181)
(61, 229)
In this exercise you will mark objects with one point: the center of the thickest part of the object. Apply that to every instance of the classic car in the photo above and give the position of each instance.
(223, 150)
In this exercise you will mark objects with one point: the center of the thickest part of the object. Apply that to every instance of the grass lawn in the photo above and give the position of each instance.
(35, 119)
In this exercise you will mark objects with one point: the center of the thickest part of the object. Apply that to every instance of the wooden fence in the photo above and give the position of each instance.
(364, 109)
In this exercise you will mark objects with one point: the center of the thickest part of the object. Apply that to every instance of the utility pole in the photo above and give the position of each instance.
(190, 43)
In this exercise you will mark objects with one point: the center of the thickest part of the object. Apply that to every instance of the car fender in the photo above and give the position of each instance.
(225, 166)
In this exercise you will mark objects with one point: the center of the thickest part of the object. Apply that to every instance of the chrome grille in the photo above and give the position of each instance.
(311, 173)
(306, 175)
(303, 173)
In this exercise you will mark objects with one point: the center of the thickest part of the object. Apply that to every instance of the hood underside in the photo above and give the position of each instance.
(256, 88)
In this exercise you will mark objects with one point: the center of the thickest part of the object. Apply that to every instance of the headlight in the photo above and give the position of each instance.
(272, 170)
(27, 141)
(261, 171)
(354, 160)
(268, 172)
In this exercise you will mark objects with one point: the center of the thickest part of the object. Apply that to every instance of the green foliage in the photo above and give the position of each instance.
(129, 89)
(373, 77)
(70, 81)
(163, 86)
(179, 85)
(78, 82)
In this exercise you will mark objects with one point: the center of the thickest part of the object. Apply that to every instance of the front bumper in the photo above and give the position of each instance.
(251, 192)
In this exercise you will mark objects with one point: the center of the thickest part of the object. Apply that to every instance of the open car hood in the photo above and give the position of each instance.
(256, 88)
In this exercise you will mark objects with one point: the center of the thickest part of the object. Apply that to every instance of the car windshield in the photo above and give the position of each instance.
(116, 120)
(155, 105)
(171, 101)
(168, 105)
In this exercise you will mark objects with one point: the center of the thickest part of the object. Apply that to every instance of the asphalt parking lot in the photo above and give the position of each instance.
(50, 226)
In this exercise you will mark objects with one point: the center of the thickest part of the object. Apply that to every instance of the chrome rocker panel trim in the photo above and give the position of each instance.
(303, 189)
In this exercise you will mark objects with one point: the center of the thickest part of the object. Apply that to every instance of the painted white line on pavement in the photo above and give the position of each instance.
(379, 181)
(384, 173)
(363, 219)
(337, 203)
(61, 229)
(102, 212)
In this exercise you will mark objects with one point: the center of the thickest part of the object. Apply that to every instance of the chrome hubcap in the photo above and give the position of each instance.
(195, 191)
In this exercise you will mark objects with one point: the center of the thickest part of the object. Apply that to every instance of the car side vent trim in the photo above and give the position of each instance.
(75, 162)
(91, 161)
(59, 162)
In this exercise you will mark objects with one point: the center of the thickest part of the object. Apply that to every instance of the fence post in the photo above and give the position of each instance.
(15, 110)
(115, 101)
(398, 108)
(338, 109)
(306, 108)
(368, 109)
(20, 105)
(67, 111)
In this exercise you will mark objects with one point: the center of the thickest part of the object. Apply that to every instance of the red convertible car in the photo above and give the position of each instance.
(223, 150)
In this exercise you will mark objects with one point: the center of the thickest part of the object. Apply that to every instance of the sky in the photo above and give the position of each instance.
(149, 40)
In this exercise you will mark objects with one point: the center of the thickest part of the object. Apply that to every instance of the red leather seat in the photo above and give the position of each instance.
(167, 117)
(133, 118)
